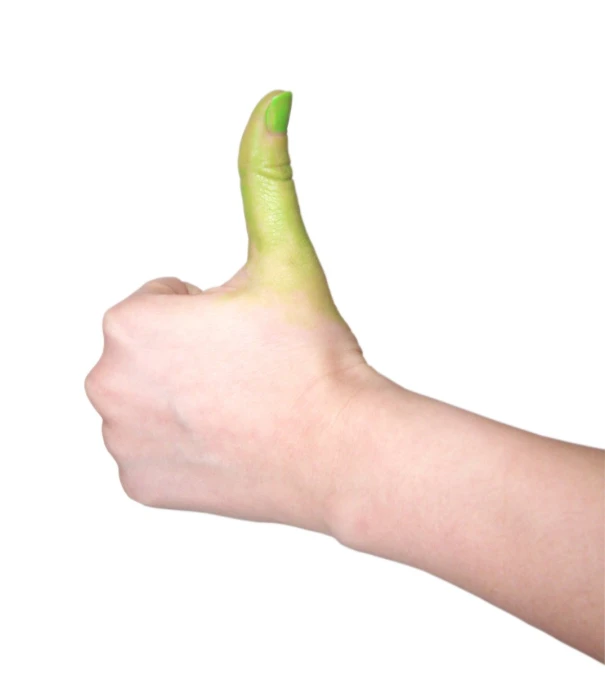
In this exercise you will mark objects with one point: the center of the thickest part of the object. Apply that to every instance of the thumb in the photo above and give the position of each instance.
(280, 253)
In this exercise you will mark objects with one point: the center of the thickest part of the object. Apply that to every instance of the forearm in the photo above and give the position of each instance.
(514, 518)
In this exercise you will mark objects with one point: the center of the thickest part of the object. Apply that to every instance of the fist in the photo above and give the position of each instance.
(229, 401)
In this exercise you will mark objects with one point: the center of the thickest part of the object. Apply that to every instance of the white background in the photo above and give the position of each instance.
(449, 159)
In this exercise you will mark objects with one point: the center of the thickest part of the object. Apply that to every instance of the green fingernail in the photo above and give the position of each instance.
(278, 113)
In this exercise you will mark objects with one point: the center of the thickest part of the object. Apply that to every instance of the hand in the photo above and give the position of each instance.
(253, 400)
(225, 401)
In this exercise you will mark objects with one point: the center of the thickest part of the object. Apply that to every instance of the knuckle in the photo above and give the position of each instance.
(131, 485)
(103, 391)
(112, 319)
(91, 384)
(128, 318)
(138, 488)
(111, 440)
(279, 173)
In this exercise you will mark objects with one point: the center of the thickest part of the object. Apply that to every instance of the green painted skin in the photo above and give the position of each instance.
(281, 257)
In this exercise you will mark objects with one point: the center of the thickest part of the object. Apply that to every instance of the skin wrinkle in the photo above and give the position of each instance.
(318, 471)
(336, 417)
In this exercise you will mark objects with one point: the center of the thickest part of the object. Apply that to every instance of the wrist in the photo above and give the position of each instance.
(369, 440)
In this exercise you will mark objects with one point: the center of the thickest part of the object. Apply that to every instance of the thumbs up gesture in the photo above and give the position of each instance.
(229, 400)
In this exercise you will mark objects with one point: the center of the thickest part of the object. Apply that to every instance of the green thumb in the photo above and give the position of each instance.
(280, 253)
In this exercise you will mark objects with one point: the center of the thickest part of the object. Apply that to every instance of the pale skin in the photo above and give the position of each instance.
(253, 400)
